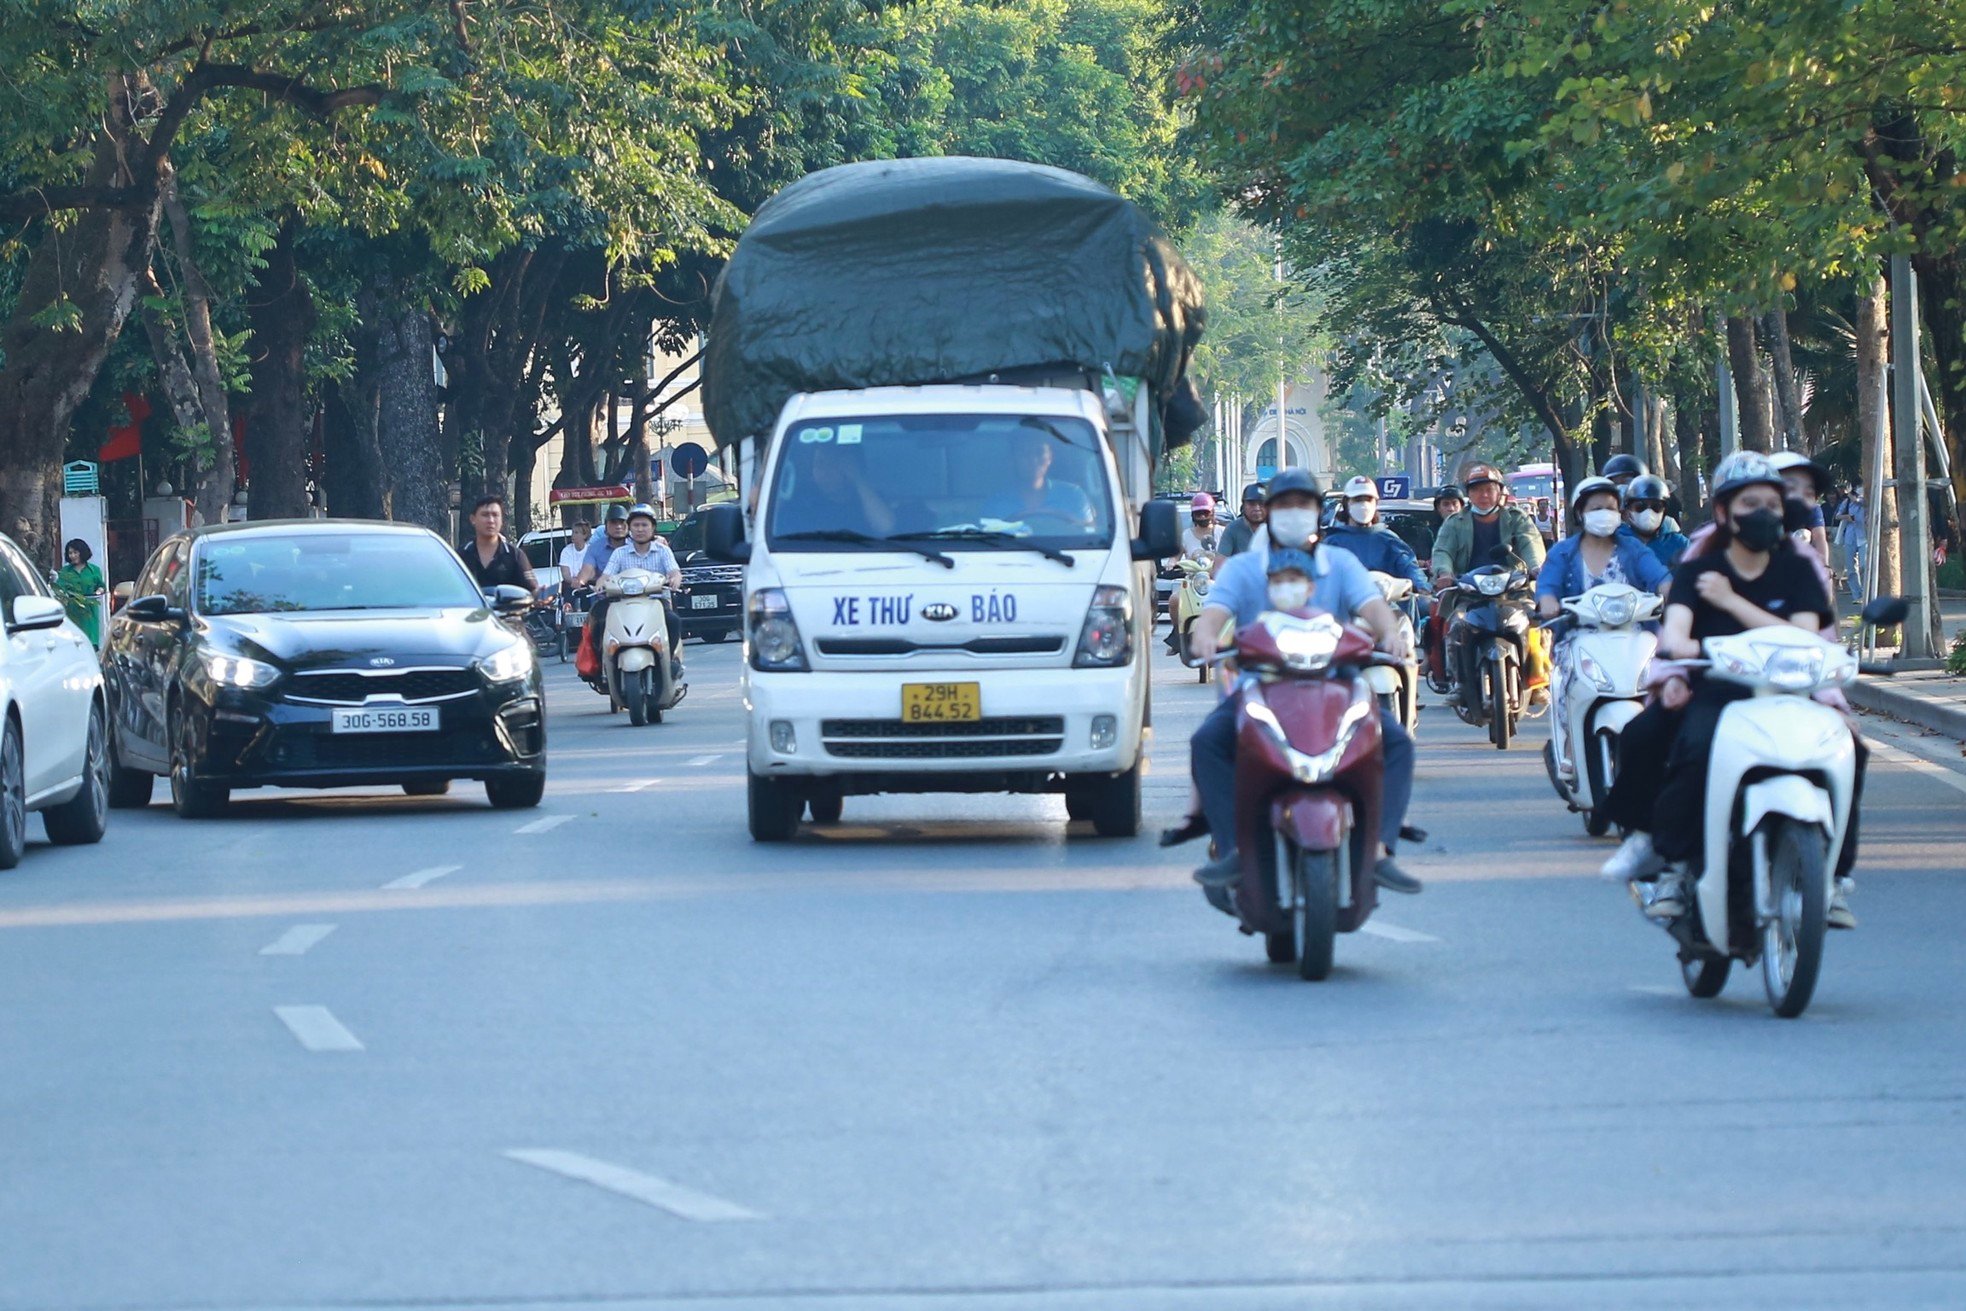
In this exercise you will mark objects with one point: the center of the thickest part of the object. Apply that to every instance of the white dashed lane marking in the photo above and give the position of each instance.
(296, 940)
(420, 878)
(637, 786)
(546, 825)
(1394, 933)
(677, 1200)
(317, 1029)
(704, 760)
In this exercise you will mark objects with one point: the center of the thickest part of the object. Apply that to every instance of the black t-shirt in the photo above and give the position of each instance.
(508, 568)
(1487, 539)
(1786, 588)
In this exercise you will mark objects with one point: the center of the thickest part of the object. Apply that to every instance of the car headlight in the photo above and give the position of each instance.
(1107, 637)
(775, 641)
(238, 671)
(507, 663)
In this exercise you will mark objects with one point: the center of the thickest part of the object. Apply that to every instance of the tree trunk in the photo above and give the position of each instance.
(282, 314)
(218, 478)
(1874, 427)
(1788, 387)
(395, 354)
(352, 483)
(174, 375)
(93, 264)
(1751, 386)
(1941, 289)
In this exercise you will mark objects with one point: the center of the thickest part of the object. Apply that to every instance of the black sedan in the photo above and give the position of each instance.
(319, 653)
(711, 608)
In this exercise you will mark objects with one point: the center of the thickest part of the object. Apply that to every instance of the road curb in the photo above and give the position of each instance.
(1879, 696)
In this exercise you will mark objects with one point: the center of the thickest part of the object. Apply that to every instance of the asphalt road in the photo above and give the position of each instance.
(347, 1050)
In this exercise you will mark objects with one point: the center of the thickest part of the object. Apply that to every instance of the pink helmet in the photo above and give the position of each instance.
(1202, 501)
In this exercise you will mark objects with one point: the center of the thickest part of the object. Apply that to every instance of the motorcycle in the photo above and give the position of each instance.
(1309, 773)
(1781, 781)
(1185, 607)
(636, 672)
(1398, 685)
(1597, 686)
(1486, 641)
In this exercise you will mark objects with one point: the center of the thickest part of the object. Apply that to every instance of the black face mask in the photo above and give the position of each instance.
(1758, 530)
(1795, 514)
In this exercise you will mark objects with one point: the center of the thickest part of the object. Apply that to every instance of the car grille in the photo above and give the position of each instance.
(699, 575)
(385, 750)
(344, 687)
(895, 739)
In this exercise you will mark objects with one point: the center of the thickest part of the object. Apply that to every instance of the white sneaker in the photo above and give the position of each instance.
(1668, 897)
(1840, 914)
(1634, 860)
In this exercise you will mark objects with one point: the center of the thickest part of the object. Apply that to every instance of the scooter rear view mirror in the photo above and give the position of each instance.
(1885, 611)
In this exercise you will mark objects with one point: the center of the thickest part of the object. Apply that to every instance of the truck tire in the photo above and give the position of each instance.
(773, 808)
(1116, 805)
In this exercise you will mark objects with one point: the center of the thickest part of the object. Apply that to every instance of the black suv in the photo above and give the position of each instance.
(713, 606)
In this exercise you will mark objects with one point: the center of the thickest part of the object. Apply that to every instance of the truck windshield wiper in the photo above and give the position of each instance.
(852, 538)
(996, 538)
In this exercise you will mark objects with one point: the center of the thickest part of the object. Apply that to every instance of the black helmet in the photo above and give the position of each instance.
(617, 513)
(1647, 487)
(1253, 492)
(1293, 480)
(1624, 466)
(1449, 490)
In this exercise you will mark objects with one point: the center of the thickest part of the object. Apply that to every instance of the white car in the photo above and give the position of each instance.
(54, 756)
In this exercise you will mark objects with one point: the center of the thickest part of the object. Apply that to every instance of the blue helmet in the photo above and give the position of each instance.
(1291, 558)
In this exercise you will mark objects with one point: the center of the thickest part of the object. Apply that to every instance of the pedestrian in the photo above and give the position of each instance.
(490, 558)
(81, 586)
(1850, 519)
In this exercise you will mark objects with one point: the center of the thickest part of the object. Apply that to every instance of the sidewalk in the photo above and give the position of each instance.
(1932, 699)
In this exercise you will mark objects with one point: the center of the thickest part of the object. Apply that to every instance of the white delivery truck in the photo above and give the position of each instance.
(948, 531)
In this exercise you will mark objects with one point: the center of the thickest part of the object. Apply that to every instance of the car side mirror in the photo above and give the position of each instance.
(153, 609)
(123, 592)
(1160, 531)
(505, 599)
(35, 612)
(1886, 611)
(723, 534)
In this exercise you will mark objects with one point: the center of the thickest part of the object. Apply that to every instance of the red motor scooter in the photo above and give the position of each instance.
(1309, 772)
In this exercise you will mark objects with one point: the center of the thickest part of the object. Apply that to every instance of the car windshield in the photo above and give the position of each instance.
(330, 571)
(961, 481)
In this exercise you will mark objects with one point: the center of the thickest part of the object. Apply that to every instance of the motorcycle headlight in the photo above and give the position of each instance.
(1492, 584)
(632, 587)
(238, 671)
(1616, 611)
(1793, 670)
(507, 663)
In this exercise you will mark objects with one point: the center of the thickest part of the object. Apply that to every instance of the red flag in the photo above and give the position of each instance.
(127, 440)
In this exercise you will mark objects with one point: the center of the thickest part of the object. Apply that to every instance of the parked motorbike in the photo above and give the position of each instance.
(1398, 685)
(636, 672)
(1185, 608)
(1597, 683)
(1309, 772)
(1486, 641)
(1781, 781)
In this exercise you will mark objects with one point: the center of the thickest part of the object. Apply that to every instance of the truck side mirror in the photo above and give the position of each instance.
(1160, 531)
(723, 534)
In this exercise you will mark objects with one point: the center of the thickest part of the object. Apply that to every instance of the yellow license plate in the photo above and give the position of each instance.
(941, 703)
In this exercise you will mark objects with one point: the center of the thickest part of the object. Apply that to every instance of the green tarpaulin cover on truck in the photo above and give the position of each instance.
(941, 270)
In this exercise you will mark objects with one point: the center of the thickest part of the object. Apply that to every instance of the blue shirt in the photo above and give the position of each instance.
(1378, 548)
(1666, 545)
(1060, 498)
(658, 559)
(599, 551)
(1564, 574)
(1342, 586)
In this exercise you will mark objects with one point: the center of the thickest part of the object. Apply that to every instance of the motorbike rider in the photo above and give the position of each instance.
(1201, 540)
(1239, 535)
(1377, 547)
(1624, 470)
(1296, 573)
(643, 552)
(1805, 483)
(1475, 536)
(1595, 553)
(1645, 500)
(1448, 502)
(1754, 577)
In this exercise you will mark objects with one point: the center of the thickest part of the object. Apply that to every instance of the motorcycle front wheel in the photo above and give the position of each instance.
(1494, 675)
(1314, 921)
(1603, 765)
(1704, 977)
(640, 695)
(1792, 937)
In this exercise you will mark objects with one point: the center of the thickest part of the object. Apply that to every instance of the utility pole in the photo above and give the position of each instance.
(1916, 536)
(1730, 408)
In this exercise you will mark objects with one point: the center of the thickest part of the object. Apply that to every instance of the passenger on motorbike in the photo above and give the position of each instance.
(1297, 573)
(1377, 547)
(1753, 578)
(614, 536)
(1594, 553)
(643, 552)
(1805, 484)
(1646, 523)
(1475, 536)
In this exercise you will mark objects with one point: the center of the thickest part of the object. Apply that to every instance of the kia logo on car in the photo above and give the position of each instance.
(380, 662)
(939, 611)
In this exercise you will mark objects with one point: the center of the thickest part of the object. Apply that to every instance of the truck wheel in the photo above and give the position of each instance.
(1078, 803)
(1116, 805)
(826, 807)
(773, 808)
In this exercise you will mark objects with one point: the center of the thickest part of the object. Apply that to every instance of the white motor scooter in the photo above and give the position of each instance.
(1780, 784)
(635, 666)
(1397, 687)
(1597, 686)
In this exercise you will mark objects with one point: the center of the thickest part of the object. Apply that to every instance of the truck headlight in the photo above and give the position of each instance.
(1107, 638)
(507, 663)
(775, 641)
(238, 671)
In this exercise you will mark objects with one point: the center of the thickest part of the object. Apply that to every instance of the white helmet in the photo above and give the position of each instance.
(1361, 486)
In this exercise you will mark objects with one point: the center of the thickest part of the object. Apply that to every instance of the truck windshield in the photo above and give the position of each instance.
(970, 482)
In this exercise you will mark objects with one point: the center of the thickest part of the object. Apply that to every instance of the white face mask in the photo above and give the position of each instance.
(1648, 521)
(1362, 511)
(1493, 509)
(1293, 527)
(1290, 594)
(1601, 523)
